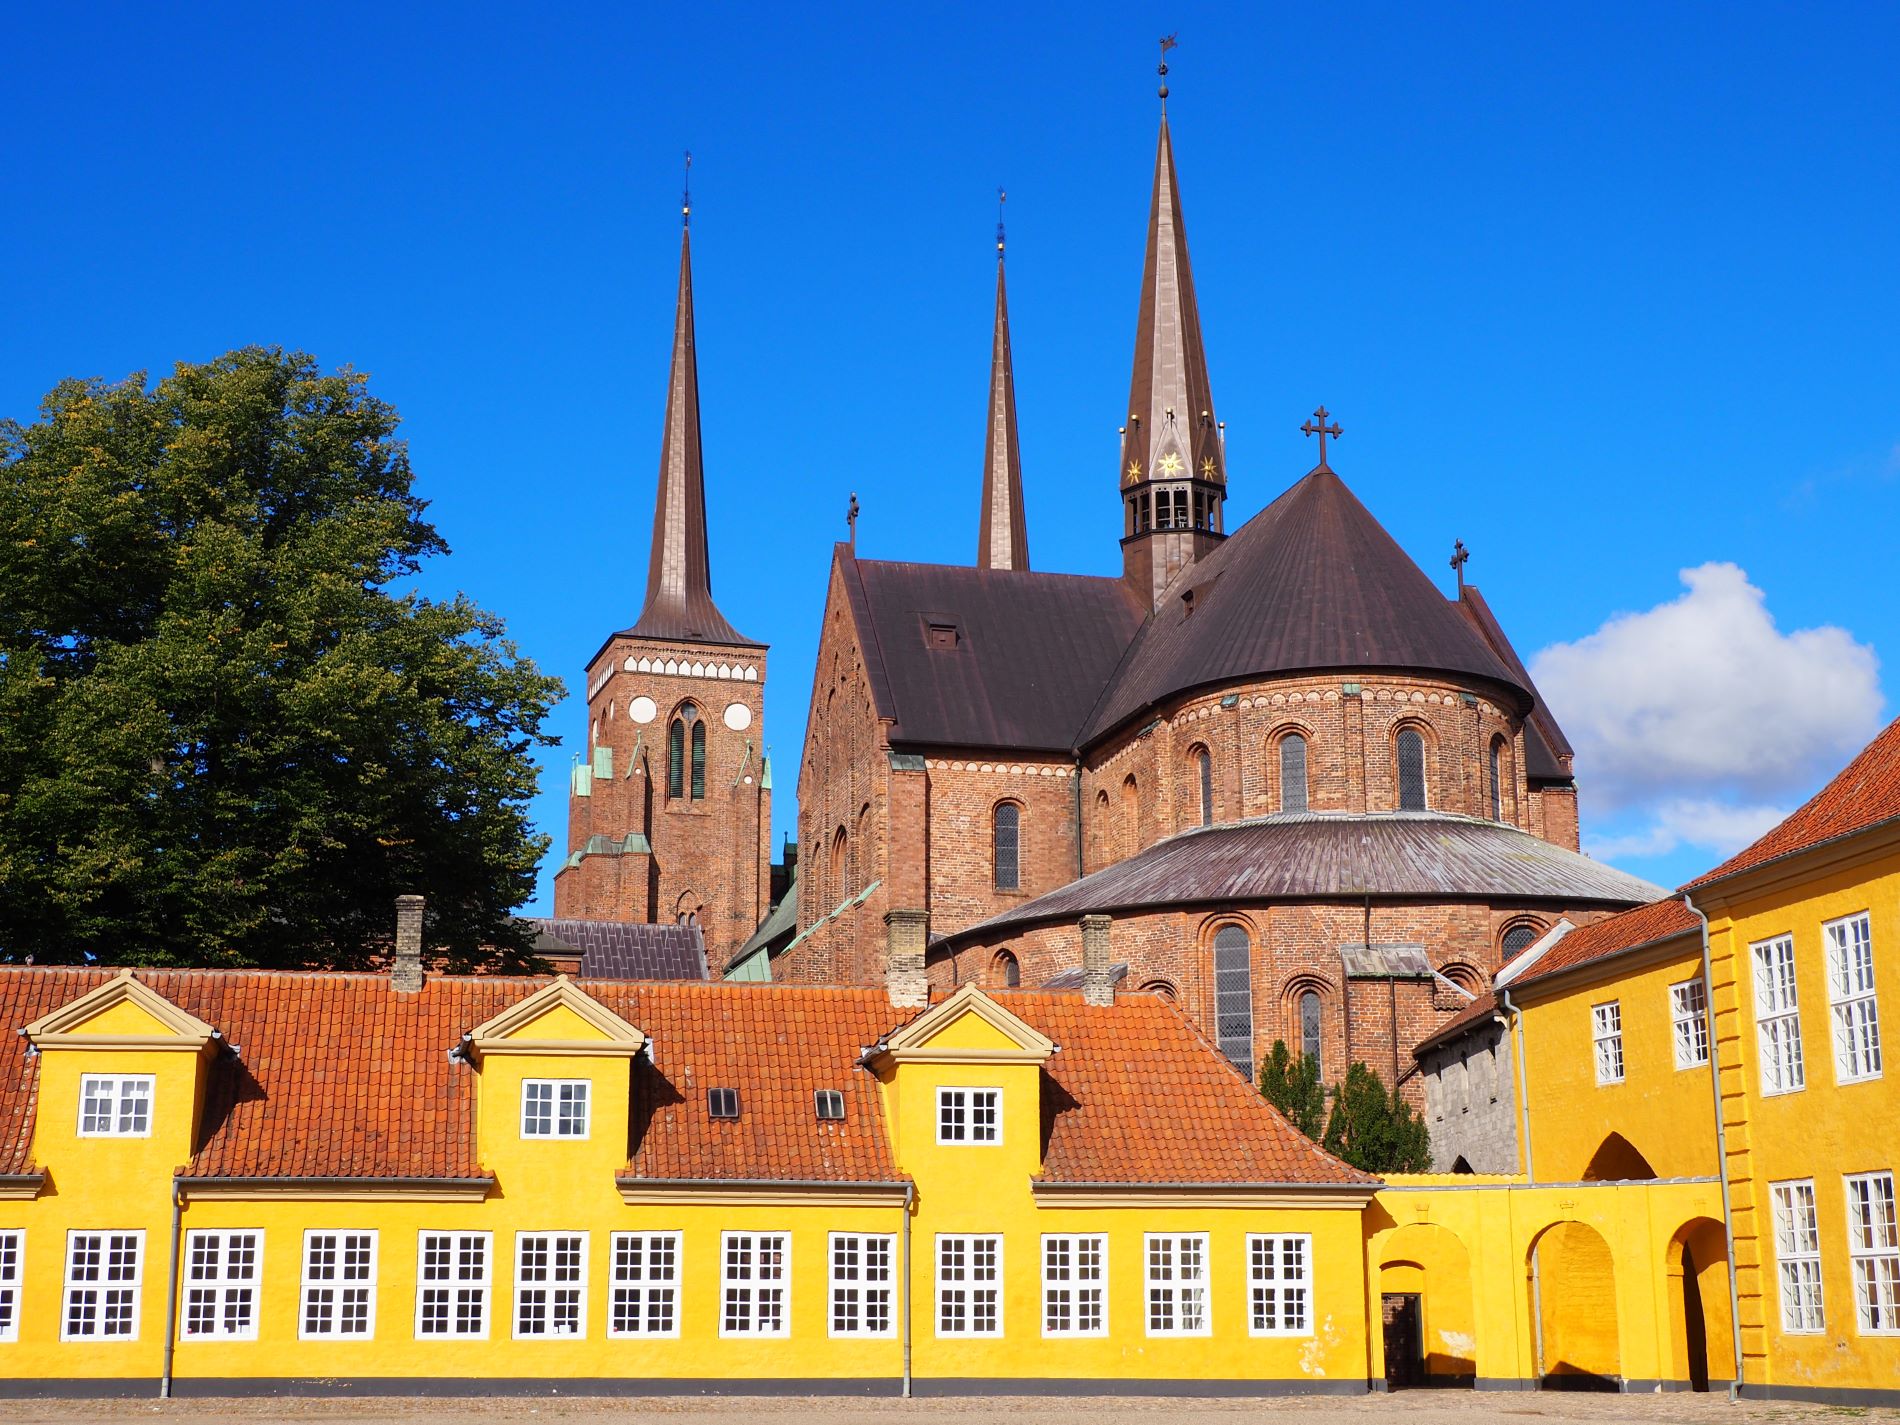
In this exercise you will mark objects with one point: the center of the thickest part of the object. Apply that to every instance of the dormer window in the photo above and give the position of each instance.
(554, 1108)
(115, 1106)
(830, 1104)
(969, 1115)
(722, 1103)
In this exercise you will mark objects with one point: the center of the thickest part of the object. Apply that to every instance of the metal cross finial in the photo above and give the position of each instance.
(686, 193)
(1460, 556)
(851, 518)
(1318, 427)
(1168, 42)
(1001, 198)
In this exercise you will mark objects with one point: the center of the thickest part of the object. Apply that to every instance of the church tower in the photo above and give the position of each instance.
(670, 811)
(1173, 462)
(1002, 536)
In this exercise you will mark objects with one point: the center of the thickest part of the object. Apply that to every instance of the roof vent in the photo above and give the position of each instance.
(722, 1103)
(830, 1105)
(940, 637)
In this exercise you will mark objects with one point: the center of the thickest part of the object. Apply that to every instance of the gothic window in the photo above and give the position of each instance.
(676, 759)
(1233, 996)
(1518, 939)
(1100, 829)
(1131, 817)
(1008, 970)
(1411, 770)
(1309, 1025)
(1006, 829)
(1495, 772)
(1204, 766)
(838, 845)
(699, 761)
(1293, 772)
(686, 728)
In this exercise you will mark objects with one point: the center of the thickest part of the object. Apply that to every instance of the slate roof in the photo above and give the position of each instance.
(1313, 582)
(1544, 741)
(1033, 650)
(620, 950)
(338, 1075)
(1864, 794)
(1319, 855)
(779, 924)
(1636, 929)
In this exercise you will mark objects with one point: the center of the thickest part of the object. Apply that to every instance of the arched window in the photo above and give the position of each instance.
(676, 759)
(699, 760)
(1495, 772)
(839, 842)
(1005, 839)
(1293, 772)
(1204, 765)
(1411, 770)
(1008, 970)
(1100, 832)
(1309, 1025)
(1518, 939)
(1233, 996)
(686, 727)
(1164, 988)
(1131, 816)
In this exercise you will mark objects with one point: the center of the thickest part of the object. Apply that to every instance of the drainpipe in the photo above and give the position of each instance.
(171, 1294)
(1081, 856)
(910, 1194)
(1523, 1081)
(1721, 1152)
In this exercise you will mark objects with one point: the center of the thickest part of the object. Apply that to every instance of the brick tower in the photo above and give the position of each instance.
(670, 813)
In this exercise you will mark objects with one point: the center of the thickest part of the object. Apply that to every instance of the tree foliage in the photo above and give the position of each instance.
(1376, 1131)
(1291, 1084)
(228, 735)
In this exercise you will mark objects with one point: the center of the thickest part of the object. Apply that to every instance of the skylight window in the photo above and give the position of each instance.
(722, 1103)
(830, 1105)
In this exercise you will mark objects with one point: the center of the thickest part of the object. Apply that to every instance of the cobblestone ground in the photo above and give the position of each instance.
(1410, 1408)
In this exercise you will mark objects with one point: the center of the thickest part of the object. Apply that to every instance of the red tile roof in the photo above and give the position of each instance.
(1632, 930)
(1479, 1010)
(1866, 793)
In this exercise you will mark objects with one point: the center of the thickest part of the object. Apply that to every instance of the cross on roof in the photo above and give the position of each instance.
(1460, 556)
(1318, 427)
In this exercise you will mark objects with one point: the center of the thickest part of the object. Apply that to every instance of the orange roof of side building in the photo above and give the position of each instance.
(1618, 934)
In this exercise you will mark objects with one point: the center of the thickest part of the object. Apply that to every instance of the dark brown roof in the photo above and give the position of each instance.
(1032, 650)
(1327, 856)
(1544, 742)
(1313, 582)
(1636, 929)
(1864, 794)
(621, 950)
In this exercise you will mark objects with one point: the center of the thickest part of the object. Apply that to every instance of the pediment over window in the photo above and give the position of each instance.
(120, 1014)
(558, 1019)
(970, 1028)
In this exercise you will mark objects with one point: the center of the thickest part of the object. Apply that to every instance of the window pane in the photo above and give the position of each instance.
(1233, 996)
(1006, 839)
(699, 761)
(1309, 1025)
(1207, 788)
(676, 759)
(1293, 772)
(1411, 771)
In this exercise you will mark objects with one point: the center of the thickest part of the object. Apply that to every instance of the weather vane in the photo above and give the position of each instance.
(686, 193)
(1168, 42)
(1317, 426)
(1001, 198)
(851, 518)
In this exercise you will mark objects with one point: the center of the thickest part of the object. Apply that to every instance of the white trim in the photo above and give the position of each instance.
(555, 1110)
(1689, 1024)
(1854, 1006)
(222, 1270)
(1175, 1286)
(1281, 1283)
(1798, 1257)
(117, 1099)
(339, 1283)
(655, 1277)
(560, 1281)
(480, 1287)
(132, 1287)
(1777, 1008)
(1606, 1041)
(757, 1284)
(12, 1274)
(975, 1284)
(870, 1280)
(1873, 1252)
(967, 1116)
(1084, 1282)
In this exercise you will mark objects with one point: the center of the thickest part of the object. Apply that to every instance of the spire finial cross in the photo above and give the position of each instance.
(1001, 198)
(851, 518)
(1317, 426)
(686, 193)
(1460, 556)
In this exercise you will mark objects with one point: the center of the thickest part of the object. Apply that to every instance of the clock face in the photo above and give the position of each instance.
(1169, 464)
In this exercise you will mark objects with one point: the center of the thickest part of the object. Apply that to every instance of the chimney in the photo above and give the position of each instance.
(1098, 974)
(905, 934)
(405, 971)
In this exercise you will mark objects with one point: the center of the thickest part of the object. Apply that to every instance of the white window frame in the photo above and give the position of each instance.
(645, 1268)
(1689, 1024)
(343, 1281)
(1777, 1016)
(1873, 1252)
(121, 1091)
(1855, 1008)
(1075, 1283)
(754, 1283)
(130, 1287)
(1606, 1040)
(456, 1285)
(222, 1272)
(1280, 1283)
(558, 1110)
(862, 1277)
(1798, 1257)
(1174, 1287)
(966, 1114)
(555, 1286)
(12, 1271)
(971, 1283)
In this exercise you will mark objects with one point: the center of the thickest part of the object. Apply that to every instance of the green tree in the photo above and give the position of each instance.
(1373, 1130)
(1291, 1084)
(228, 736)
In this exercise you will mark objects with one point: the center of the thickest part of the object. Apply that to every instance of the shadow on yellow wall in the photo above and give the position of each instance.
(1573, 1283)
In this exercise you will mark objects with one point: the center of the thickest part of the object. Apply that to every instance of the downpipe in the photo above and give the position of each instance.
(1721, 1151)
(171, 1294)
(910, 1194)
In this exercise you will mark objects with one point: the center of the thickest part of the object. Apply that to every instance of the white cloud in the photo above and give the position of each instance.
(1695, 718)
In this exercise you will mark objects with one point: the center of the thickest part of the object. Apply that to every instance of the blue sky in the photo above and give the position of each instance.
(1611, 296)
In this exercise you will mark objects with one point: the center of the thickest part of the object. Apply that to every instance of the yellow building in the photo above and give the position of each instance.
(242, 1181)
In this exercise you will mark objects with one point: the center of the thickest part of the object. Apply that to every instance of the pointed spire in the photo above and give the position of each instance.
(679, 602)
(1002, 540)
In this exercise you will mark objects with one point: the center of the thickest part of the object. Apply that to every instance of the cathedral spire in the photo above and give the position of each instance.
(679, 602)
(1002, 540)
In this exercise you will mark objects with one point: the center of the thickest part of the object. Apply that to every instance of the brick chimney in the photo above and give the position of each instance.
(405, 971)
(1098, 972)
(906, 933)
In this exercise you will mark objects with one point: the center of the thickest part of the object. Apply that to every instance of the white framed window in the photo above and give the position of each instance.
(550, 1284)
(453, 1278)
(1778, 1016)
(861, 1284)
(222, 1270)
(1075, 1286)
(969, 1115)
(646, 1284)
(554, 1108)
(1689, 1023)
(969, 1286)
(756, 1282)
(1177, 1284)
(1798, 1256)
(1606, 1029)
(1873, 1248)
(339, 1286)
(1850, 993)
(1280, 1285)
(104, 1275)
(115, 1105)
(12, 1252)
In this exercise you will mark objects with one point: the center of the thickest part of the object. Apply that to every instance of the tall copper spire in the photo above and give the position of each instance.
(1002, 540)
(679, 601)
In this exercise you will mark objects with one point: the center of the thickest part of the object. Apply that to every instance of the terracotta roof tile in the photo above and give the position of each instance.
(1632, 930)
(1479, 1010)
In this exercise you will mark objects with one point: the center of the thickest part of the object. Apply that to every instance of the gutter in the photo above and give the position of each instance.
(892, 1185)
(1515, 1026)
(171, 1295)
(380, 1186)
(1721, 1150)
